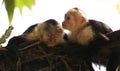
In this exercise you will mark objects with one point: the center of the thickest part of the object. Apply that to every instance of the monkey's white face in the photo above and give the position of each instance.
(73, 20)
(53, 37)
(69, 22)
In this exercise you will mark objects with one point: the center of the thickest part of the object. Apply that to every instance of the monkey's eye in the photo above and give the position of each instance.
(67, 18)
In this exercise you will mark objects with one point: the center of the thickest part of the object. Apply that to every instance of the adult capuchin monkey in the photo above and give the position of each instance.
(86, 32)
(49, 32)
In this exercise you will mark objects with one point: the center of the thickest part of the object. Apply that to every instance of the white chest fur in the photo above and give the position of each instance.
(83, 37)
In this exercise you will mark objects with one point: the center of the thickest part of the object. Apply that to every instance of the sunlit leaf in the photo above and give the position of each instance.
(29, 3)
(19, 4)
(10, 5)
(118, 7)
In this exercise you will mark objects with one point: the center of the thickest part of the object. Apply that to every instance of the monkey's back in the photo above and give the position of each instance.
(99, 26)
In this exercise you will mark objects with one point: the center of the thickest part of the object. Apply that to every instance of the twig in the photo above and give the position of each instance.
(29, 46)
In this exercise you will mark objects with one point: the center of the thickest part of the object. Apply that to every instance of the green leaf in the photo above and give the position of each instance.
(118, 7)
(29, 3)
(19, 4)
(10, 5)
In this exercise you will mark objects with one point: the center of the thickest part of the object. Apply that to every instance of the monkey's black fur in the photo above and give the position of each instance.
(48, 22)
(30, 29)
(99, 26)
(114, 60)
(51, 21)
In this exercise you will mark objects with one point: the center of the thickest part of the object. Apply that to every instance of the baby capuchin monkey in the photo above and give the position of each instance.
(82, 30)
(50, 32)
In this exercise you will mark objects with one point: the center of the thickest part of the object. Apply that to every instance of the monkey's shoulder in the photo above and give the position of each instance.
(99, 26)
(30, 29)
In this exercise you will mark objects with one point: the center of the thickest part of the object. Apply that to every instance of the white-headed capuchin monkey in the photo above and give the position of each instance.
(83, 30)
(50, 32)
(91, 34)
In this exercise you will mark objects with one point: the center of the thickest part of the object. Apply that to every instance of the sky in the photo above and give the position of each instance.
(102, 10)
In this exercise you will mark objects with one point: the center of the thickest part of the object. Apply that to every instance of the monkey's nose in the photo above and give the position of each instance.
(63, 23)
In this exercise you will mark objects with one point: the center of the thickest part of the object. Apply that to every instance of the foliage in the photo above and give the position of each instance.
(118, 7)
(11, 4)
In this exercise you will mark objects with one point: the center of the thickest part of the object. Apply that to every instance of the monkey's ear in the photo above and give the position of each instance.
(83, 20)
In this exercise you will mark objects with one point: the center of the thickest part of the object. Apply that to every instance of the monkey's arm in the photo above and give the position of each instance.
(103, 36)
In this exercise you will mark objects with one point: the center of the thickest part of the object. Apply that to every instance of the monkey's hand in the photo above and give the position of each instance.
(103, 36)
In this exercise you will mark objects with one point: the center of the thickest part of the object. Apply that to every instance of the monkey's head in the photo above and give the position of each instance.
(74, 19)
(53, 32)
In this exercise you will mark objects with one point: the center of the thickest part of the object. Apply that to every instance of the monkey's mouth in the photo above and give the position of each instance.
(52, 38)
(64, 26)
(51, 42)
